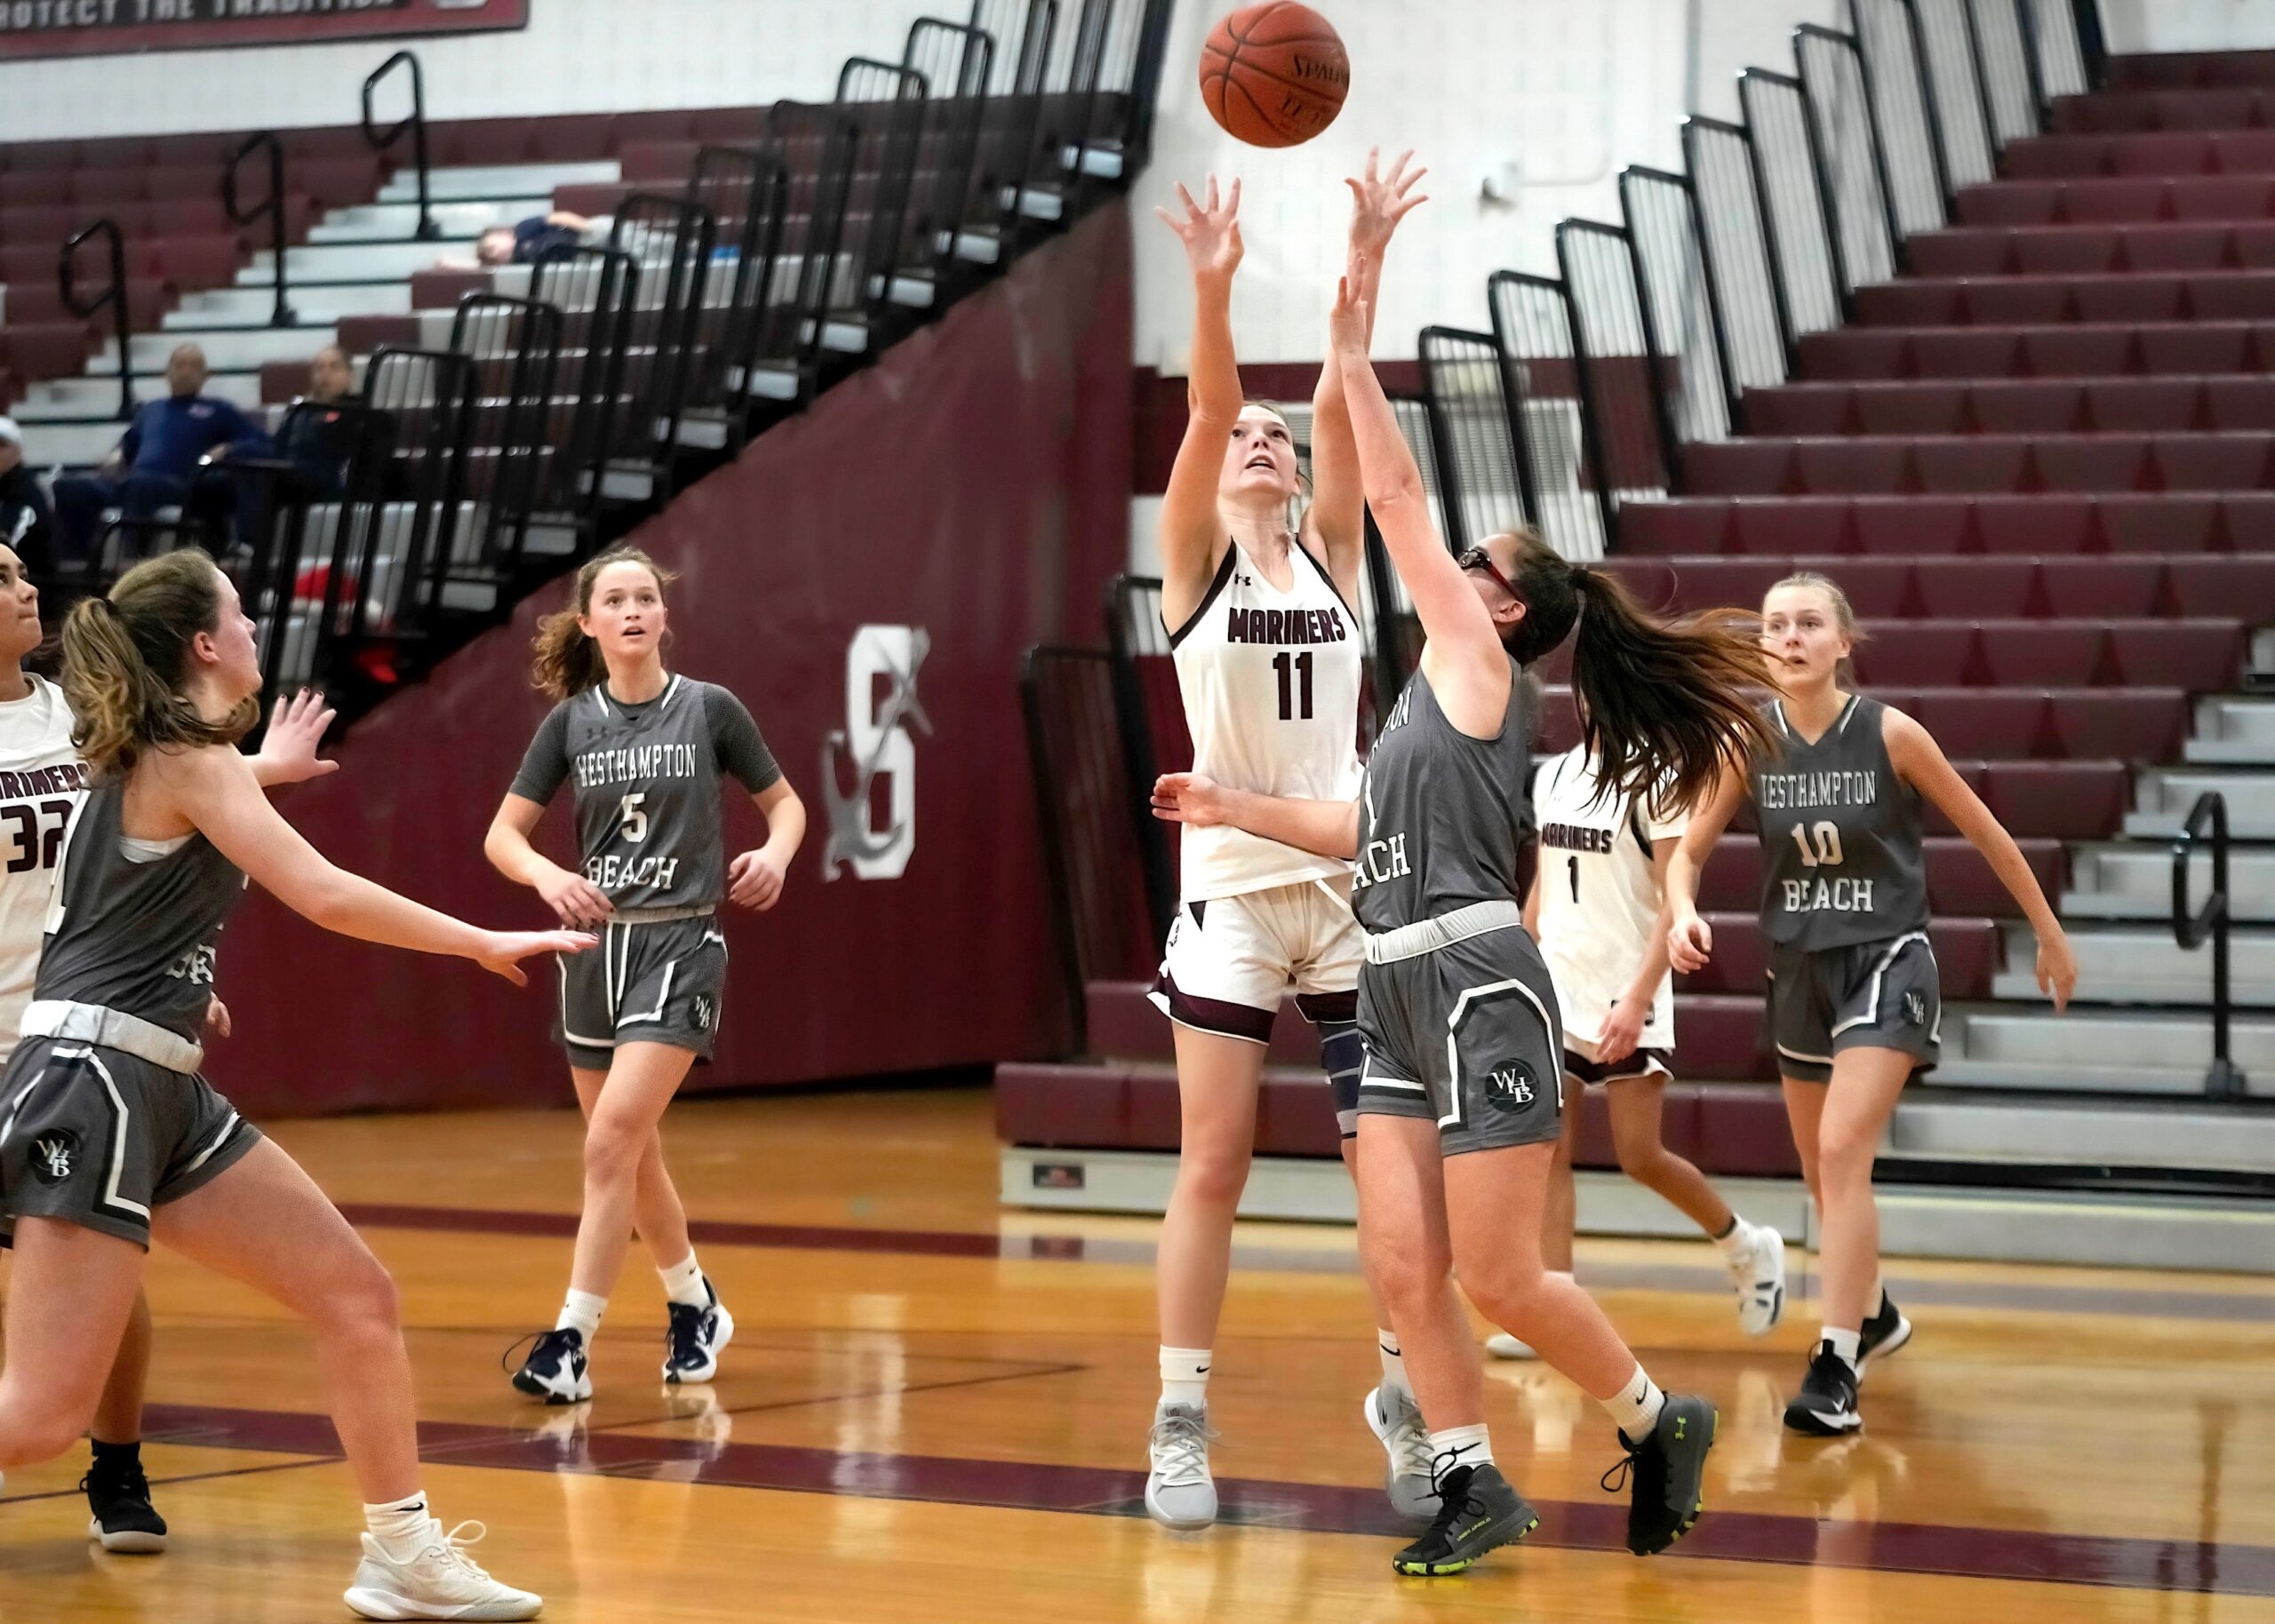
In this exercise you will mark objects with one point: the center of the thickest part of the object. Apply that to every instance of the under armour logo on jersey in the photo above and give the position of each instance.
(52, 1154)
(1510, 1087)
(876, 742)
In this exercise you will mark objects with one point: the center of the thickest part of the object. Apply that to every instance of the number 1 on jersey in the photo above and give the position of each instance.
(1290, 666)
(631, 823)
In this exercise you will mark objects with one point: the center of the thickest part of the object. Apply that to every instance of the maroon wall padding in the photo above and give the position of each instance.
(974, 483)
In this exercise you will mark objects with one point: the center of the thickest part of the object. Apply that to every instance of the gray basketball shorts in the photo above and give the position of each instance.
(98, 1138)
(1873, 995)
(1468, 1036)
(646, 982)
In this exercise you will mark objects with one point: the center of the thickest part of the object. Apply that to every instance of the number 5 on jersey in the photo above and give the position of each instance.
(631, 823)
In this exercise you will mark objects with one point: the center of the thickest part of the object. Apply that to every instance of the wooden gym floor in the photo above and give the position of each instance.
(935, 1409)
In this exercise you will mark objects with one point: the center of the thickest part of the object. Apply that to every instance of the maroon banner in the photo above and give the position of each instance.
(104, 27)
(865, 577)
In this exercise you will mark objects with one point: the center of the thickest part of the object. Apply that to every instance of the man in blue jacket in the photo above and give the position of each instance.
(155, 460)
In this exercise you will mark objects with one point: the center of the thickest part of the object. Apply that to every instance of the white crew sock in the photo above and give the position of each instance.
(1634, 1409)
(683, 1282)
(1842, 1342)
(1468, 1445)
(1393, 1363)
(1185, 1376)
(582, 1311)
(1737, 1241)
(404, 1528)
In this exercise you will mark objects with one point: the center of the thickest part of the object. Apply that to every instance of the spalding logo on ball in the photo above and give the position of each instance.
(1275, 75)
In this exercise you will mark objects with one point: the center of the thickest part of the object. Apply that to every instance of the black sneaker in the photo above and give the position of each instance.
(1666, 1474)
(123, 1520)
(1882, 1334)
(1826, 1405)
(554, 1370)
(696, 1335)
(1478, 1509)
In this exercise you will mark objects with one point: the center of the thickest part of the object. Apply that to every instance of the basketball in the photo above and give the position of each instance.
(1275, 75)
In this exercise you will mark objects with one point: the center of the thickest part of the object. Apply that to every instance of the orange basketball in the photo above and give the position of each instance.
(1275, 75)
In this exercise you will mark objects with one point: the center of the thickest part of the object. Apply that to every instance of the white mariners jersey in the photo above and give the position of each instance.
(1599, 896)
(1271, 682)
(43, 785)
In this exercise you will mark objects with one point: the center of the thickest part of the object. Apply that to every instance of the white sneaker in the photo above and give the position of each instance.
(1393, 1420)
(1179, 1491)
(1758, 1275)
(441, 1581)
(1501, 1345)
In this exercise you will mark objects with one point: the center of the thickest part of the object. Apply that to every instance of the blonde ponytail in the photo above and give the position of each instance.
(126, 654)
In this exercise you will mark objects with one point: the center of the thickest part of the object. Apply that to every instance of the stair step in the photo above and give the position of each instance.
(2117, 881)
(399, 222)
(249, 307)
(354, 262)
(2111, 1132)
(499, 180)
(227, 349)
(2131, 964)
(2162, 798)
(2170, 1039)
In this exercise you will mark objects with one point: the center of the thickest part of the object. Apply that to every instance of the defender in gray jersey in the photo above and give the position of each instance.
(1855, 1008)
(1458, 1105)
(109, 1136)
(648, 754)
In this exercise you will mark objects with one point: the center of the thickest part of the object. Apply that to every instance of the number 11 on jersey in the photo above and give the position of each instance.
(1292, 667)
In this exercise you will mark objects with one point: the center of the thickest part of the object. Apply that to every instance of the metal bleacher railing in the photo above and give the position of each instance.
(1657, 325)
(554, 416)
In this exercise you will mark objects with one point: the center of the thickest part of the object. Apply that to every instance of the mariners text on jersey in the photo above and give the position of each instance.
(1293, 627)
(64, 778)
(617, 766)
(1777, 790)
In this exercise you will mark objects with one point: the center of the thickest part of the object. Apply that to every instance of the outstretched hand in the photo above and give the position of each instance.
(296, 726)
(503, 952)
(1210, 231)
(1378, 202)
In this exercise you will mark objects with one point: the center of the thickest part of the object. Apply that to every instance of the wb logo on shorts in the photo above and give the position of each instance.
(705, 1012)
(1915, 1008)
(1510, 1087)
(54, 1155)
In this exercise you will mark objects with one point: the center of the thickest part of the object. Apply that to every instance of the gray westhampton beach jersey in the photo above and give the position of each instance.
(134, 928)
(1439, 817)
(648, 778)
(1841, 859)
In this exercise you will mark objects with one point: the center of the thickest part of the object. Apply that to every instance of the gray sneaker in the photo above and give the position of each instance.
(1392, 1418)
(1179, 1491)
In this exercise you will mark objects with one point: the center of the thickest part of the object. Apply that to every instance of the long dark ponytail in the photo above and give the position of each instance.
(1664, 704)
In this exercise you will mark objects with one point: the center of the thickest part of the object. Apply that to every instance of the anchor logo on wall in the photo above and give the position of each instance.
(874, 744)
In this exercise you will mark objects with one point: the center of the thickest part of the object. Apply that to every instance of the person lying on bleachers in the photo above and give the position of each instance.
(155, 459)
(524, 242)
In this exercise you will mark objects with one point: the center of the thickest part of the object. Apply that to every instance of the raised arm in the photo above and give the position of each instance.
(1338, 506)
(1690, 941)
(1324, 828)
(288, 749)
(1920, 762)
(1190, 530)
(215, 790)
(1468, 668)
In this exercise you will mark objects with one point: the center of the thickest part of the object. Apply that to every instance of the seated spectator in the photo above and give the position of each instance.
(312, 441)
(531, 240)
(154, 461)
(24, 520)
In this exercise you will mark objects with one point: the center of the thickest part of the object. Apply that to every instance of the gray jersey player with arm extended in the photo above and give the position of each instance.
(648, 778)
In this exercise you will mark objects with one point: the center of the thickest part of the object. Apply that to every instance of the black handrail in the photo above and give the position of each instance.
(415, 122)
(112, 297)
(272, 206)
(2192, 928)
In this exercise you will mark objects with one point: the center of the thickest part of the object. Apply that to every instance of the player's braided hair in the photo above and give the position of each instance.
(127, 658)
(568, 662)
(1664, 704)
